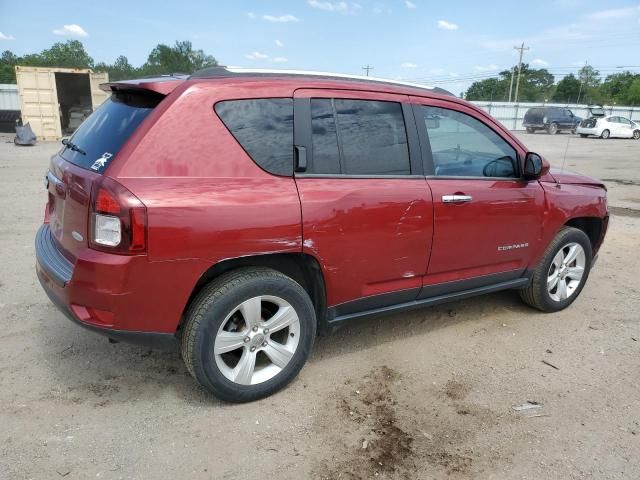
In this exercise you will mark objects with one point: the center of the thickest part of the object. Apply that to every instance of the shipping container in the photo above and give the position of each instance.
(54, 101)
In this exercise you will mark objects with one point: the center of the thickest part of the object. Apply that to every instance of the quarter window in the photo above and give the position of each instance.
(264, 128)
(462, 146)
(358, 137)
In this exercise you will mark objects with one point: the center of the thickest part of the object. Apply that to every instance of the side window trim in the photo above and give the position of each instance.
(302, 137)
(427, 155)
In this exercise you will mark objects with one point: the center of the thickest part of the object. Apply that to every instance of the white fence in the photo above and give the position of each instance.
(511, 115)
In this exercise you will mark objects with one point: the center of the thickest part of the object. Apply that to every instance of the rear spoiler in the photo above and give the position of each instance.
(164, 84)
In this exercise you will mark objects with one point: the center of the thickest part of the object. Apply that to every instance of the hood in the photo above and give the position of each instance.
(557, 175)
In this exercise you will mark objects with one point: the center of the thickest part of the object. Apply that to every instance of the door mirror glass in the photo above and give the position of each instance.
(532, 166)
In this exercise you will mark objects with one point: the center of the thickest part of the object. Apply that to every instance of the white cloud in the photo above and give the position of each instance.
(328, 6)
(486, 68)
(257, 56)
(265, 57)
(72, 30)
(410, 4)
(280, 18)
(447, 25)
(340, 7)
(279, 43)
(6, 37)
(408, 65)
(614, 13)
(539, 62)
(251, 15)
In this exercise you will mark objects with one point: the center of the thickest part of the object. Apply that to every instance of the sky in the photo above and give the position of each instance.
(444, 43)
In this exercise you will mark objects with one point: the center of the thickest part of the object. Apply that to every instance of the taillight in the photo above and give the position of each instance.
(118, 219)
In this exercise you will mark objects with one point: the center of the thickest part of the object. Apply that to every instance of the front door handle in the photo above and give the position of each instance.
(456, 198)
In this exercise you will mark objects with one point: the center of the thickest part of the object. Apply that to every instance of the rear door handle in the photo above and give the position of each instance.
(456, 198)
(301, 158)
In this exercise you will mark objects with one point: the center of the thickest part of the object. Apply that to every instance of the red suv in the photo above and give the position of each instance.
(236, 214)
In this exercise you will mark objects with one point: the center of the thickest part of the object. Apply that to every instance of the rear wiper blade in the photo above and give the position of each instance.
(69, 144)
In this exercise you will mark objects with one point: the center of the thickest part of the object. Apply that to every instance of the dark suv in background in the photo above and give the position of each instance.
(551, 119)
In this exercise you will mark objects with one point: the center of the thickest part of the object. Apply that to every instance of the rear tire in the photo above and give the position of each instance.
(636, 134)
(605, 134)
(583, 135)
(530, 130)
(553, 129)
(558, 266)
(226, 344)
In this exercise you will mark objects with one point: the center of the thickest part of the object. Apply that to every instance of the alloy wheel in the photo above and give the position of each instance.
(566, 272)
(257, 340)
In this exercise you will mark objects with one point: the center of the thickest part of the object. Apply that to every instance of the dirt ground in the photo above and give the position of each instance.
(424, 395)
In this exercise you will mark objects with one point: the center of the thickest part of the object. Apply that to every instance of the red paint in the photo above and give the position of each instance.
(207, 201)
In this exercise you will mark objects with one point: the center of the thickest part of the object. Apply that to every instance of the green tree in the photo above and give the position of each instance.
(181, 58)
(567, 90)
(615, 87)
(8, 62)
(632, 97)
(487, 90)
(120, 70)
(70, 54)
(590, 86)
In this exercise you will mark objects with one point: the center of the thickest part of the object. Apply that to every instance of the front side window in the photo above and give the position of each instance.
(264, 128)
(462, 146)
(358, 137)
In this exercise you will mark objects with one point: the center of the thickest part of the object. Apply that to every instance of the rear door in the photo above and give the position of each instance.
(626, 127)
(367, 214)
(487, 220)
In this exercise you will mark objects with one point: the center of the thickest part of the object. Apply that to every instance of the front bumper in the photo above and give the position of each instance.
(55, 274)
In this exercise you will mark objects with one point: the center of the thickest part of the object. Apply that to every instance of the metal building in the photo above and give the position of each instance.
(54, 101)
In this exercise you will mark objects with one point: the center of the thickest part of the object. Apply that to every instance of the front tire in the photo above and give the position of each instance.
(605, 134)
(636, 134)
(248, 333)
(560, 277)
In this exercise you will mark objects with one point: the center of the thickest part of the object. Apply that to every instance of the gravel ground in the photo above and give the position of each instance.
(425, 395)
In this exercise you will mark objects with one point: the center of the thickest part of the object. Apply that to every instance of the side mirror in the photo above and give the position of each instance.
(535, 166)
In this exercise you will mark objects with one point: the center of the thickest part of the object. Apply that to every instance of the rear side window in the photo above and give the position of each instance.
(358, 137)
(103, 133)
(264, 128)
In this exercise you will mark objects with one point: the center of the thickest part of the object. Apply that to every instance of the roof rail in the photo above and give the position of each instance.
(224, 71)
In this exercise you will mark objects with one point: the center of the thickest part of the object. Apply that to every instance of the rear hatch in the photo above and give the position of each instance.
(83, 160)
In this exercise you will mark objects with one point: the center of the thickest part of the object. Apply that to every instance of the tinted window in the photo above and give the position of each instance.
(264, 128)
(324, 137)
(624, 120)
(103, 133)
(371, 135)
(464, 146)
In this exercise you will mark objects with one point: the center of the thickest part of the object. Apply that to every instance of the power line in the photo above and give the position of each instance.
(367, 68)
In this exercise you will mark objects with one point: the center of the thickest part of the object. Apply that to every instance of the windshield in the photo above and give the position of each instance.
(102, 134)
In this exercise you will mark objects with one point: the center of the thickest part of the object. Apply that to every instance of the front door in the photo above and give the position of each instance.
(487, 220)
(367, 214)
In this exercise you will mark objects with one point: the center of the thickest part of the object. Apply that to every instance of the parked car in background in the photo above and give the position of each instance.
(550, 119)
(609, 126)
(188, 212)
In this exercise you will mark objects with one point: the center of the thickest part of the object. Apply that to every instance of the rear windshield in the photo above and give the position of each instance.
(97, 141)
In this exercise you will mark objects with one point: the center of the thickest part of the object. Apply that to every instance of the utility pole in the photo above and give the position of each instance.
(522, 49)
(367, 68)
(513, 72)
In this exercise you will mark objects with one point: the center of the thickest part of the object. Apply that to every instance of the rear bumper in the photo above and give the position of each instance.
(589, 131)
(85, 303)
